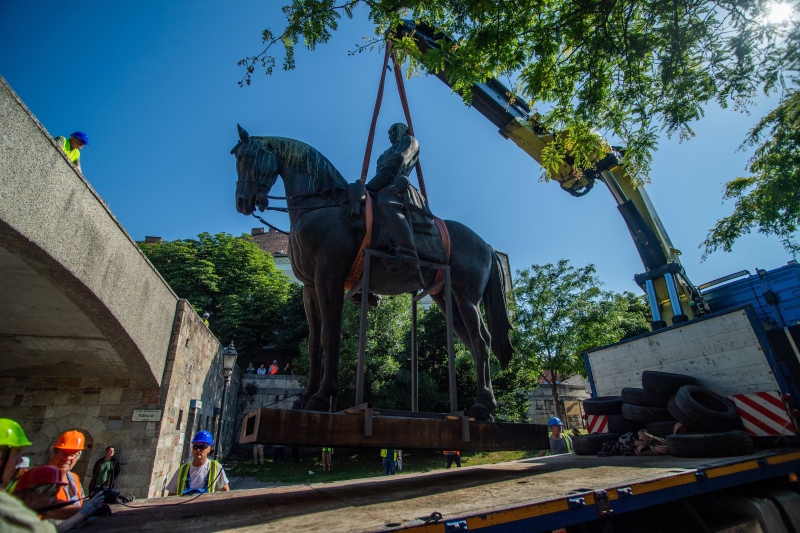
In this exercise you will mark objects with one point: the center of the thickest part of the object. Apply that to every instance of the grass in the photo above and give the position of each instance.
(357, 464)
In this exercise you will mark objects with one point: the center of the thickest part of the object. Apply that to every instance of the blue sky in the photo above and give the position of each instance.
(154, 86)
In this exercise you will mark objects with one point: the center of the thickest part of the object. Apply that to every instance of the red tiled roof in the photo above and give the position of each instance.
(272, 242)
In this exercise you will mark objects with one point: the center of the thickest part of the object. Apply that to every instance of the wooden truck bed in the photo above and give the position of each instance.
(536, 494)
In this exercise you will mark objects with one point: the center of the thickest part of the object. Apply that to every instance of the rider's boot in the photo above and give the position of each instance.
(404, 252)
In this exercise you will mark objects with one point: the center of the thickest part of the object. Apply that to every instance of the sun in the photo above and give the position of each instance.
(779, 12)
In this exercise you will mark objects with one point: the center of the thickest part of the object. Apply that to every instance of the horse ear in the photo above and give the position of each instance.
(243, 135)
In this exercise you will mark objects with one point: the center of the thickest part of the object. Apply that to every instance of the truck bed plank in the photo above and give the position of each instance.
(492, 495)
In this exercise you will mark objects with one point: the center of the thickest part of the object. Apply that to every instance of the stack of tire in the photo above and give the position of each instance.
(610, 406)
(696, 422)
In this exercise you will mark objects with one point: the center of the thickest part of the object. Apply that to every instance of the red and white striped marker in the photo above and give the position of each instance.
(764, 414)
(597, 423)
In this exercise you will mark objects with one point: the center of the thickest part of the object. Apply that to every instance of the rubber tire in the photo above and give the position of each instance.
(603, 405)
(620, 424)
(645, 415)
(591, 444)
(661, 429)
(725, 444)
(665, 382)
(708, 408)
(690, 424)
(645, 397)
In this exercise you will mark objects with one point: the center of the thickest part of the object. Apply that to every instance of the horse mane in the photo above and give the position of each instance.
(304, 160)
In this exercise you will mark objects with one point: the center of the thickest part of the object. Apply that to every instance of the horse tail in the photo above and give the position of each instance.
(496, 309)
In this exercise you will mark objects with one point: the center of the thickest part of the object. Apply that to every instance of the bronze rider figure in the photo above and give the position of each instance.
(391, 183)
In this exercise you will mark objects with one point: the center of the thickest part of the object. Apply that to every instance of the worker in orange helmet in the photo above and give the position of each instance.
(65, 453)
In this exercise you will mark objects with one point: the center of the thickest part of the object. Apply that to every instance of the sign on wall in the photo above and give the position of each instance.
(146, 415)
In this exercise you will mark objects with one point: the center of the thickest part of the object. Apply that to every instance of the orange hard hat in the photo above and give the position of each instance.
(41, 475)
(70, 440)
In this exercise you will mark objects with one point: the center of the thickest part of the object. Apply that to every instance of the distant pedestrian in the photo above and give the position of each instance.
(327, 453)
(559, 443)
(389, 464)
(288, 368)
(258, 454)
(250, 369)
(273, 368)
(202, 474)
(452, 456)
(262, 371)
(205, 318)
(277, 454)
(73, 146)
(105, 471)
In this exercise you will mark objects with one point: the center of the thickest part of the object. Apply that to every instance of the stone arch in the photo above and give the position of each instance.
(89, 425)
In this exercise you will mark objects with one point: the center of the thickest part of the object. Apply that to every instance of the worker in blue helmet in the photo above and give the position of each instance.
(559, 443)
(72, 147)
(202, 474)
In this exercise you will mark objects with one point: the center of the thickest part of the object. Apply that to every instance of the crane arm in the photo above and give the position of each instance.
(670, 293)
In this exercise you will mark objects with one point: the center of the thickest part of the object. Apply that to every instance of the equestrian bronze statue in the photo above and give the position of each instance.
(326, 234)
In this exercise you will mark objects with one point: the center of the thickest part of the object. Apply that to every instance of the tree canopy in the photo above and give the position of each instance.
(250, 301)
(562, 312)
(628, 69)
(768, 200)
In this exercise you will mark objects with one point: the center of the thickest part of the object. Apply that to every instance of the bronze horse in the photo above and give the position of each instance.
(323, 248)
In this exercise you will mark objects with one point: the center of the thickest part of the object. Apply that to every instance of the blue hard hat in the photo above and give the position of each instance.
(555, 421)
(82, 136)
(203, 437)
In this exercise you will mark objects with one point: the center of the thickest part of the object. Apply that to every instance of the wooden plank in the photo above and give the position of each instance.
(308, 428)
(722, 352)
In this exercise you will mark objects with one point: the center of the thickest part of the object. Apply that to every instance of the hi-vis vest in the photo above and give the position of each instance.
(211, 481)
(566, 439)
(73, 155)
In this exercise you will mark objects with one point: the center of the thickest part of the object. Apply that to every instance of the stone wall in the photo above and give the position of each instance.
(149, 452)
(193, 372)
(571, 395)
(276, 392)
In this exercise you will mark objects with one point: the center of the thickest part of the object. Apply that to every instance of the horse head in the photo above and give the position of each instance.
(257, 169)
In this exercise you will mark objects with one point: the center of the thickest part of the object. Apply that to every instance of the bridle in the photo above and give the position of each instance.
(261, 183)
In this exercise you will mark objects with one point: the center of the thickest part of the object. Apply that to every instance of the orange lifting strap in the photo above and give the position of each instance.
(401, 89)
(358, 266)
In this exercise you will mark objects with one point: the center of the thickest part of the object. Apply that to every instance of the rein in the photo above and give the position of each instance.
(287, 208)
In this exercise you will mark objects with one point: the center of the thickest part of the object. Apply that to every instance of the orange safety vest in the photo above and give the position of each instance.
(63, 496)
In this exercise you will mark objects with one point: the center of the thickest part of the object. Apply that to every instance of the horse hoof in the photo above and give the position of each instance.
(480, 413)
(317, 404)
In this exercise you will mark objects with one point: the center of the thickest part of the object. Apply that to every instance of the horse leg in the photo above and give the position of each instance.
(330, 299)
(311, 306)
(485, 401)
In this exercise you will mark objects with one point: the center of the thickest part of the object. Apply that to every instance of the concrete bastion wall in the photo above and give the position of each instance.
(59, 235)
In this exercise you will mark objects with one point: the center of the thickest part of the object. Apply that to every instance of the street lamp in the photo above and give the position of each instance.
(229, 356)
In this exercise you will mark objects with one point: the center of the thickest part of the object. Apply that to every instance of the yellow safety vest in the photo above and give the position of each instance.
(211, 481)
(73, 155)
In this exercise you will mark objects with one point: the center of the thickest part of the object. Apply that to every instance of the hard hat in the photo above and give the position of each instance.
(555, 421)
(40, 475)
(206, 315)
(24, 462)
(70, 440)
(12, 434)
(82, 136)
(203, 437)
